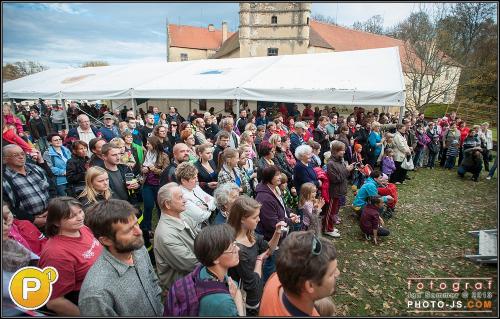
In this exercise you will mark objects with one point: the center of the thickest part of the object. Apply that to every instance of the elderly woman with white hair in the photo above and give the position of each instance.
(224, 196)
(303, 172)
(376, 141)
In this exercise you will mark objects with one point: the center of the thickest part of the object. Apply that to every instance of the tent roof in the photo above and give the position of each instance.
(364, 77)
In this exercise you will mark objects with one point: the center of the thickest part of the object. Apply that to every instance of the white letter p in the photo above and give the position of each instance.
(27, 288)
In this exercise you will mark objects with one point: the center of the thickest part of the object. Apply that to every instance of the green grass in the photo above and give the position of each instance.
(428, 238)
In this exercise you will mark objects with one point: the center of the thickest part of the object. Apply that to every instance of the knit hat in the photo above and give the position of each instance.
(358, 147)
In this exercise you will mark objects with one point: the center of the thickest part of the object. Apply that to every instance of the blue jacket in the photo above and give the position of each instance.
(368, 189)
(295, 141)
(109, 133)
(304, 174)
(373, 139)
(57, 164)
(261, 121)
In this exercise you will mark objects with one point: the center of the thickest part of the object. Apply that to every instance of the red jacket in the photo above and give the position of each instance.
(392, 190)
(325, 183)
(11, 137)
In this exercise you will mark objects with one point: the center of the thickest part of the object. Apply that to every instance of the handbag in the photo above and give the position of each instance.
(408, 164)
(366, 170)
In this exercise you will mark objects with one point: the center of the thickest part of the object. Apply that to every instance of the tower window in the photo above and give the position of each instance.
(307, 20)
(272, 51)
(184, 57)
(274, 20)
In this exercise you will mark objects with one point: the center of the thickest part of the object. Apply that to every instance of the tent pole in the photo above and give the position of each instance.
(66, 122)
(401, 113)
(237, 108)
(134, 106)
(12, 107)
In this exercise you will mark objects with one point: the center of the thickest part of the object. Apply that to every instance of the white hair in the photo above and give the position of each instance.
(302, 150)
(79, 117)
(221, 194)
(225, 121)
(165, 194)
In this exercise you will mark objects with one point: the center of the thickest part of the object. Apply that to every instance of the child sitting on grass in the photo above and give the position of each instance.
(310, 207)
(385, 189)
(370, 222)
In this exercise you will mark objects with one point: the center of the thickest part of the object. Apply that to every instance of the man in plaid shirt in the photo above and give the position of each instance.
(25, 185)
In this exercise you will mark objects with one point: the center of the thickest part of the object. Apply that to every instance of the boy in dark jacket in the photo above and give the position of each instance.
(371, 223)
(433, 147)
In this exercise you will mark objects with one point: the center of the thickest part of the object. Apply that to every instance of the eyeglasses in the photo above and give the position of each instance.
(175, 125)
(56, 140)
(316, 246)
(232, 249)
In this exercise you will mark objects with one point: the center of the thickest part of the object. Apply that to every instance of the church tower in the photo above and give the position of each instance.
(274, 28)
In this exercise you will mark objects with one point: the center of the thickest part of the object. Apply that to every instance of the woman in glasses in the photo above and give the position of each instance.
(216, 250)
(253, 249)
(57, 157)
(199, 204)
(187, 137)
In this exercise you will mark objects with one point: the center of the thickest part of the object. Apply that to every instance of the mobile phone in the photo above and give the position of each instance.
(284, 229)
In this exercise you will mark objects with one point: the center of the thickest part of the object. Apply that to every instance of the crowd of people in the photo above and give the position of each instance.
(246, 204)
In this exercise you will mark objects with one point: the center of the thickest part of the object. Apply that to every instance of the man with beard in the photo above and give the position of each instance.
(306, 271)
(122, 282)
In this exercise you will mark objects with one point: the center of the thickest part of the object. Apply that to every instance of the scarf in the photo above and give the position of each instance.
(150, 159)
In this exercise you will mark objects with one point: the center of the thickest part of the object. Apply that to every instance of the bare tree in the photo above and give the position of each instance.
(373, 25)
(325, 19)
(12, 71)
(432, 74)
(94, 63)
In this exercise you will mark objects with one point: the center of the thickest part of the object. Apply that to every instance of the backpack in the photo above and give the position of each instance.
(185, 294)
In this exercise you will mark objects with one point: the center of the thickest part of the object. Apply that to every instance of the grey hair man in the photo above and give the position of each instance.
(174, 237)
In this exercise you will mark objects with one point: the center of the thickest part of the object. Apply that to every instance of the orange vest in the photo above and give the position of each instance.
(271, 304)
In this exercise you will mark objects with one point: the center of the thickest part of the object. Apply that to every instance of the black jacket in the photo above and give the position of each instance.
(75, 174)
(323, 139)
(168, 174)
(204, 177)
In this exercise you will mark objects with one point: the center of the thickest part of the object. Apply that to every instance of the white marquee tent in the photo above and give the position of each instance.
(366, 77)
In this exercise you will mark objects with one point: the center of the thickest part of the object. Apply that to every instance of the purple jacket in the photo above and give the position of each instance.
(388, 166)
(271, 211)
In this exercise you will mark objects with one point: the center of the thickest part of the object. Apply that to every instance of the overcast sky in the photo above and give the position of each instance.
(68, 34)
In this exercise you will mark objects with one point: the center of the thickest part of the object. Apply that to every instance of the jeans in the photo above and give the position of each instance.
(442, 158)
(486, 159)
(149, 195)
(475, 170)
(431, 159)
(399, 175)
(450, 161)
(269, 267)
(416, 158)
(61, 190)
(493, 168)
(57, 126)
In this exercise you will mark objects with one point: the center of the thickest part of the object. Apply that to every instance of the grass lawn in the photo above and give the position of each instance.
(428, 238)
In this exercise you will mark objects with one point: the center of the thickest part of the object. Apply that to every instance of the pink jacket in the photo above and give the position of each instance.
(325, 183)
(14, 120)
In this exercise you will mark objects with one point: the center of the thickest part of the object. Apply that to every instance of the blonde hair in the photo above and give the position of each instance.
(275, 139)
(89, 190)
(325, 307)
(306, 190)
(118, 141)
(244, 137)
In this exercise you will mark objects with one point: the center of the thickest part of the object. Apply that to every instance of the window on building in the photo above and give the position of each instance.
(184, 57)
(415, 84)
(445, 97)
(272, 51)
(447, 74)
(307, 20)
(274, 20)
(202, 105)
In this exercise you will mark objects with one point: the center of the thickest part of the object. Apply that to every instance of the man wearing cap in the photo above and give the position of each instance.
(109, 130)
(262, 119)
(297, 137)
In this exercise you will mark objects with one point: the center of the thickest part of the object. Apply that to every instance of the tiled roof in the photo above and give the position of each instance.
(231, 44)
(184, 36)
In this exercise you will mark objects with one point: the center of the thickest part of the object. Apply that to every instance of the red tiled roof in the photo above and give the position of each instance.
(184, 36)
(343, 39)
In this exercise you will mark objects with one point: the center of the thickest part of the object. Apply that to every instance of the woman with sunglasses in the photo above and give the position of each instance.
(56, 157)
(253, 249)
(173, 135)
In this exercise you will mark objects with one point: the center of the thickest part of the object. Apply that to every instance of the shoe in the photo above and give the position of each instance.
(368, 237)
(398, 183)
(488, 178)
(334, 234)
(337, 222)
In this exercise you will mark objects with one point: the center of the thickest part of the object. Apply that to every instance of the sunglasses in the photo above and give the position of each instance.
(316, 246)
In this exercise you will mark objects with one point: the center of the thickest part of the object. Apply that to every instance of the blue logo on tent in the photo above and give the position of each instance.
(212, 72)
